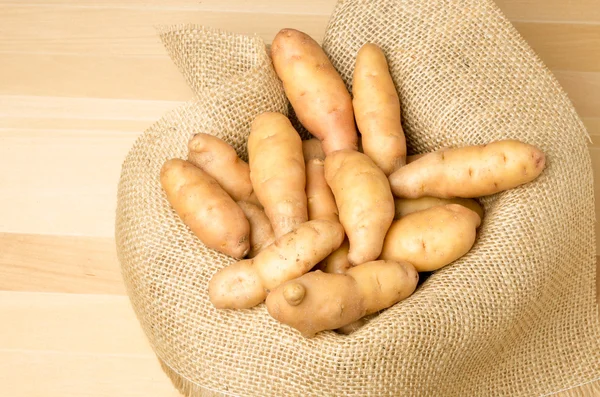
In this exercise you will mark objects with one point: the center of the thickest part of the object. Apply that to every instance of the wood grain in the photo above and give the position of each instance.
(50, 374)
(130, 31)
(564, 46)
(59, 264)
(551, 10)
(69, 323)
(66, 183)
(583, 90)
(109, 76)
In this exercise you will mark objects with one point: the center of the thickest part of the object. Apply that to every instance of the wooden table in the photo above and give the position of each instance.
(79, 81)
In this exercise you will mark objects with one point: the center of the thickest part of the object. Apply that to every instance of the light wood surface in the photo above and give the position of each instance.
(79, 81)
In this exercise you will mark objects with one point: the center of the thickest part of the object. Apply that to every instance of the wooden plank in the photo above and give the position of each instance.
(551, 10)
(66, 113)
(71, 323)
(51, 374)
(583, 90)
(64, 181)
(21, 106)
(524, 10)
(306, 7)
(40, 263)
(88, 76)
(126, 31)
(564, 46)
(60, 345)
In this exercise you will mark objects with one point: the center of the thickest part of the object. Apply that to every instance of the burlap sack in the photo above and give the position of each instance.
(514, 317)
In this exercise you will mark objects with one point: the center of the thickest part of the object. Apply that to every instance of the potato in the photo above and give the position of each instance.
(471, 171)
(377, 110)
(432, 238)
(315, 89)
(277, 171)
(320, 301)
(218, 159)
(408, 206)
(338, 261)
(246, 283)
(364, 200)
(209, 212)
(261, 231)
(312, 149)
(321, 203)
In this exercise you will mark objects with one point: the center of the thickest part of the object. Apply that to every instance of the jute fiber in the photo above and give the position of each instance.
(514, 317)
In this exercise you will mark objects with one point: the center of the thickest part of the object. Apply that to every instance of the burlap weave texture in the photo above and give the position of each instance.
(514, 317)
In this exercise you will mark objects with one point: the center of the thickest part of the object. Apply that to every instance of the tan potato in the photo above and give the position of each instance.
(377, 110)
(246, 283)
(432, 238)
(261, 231)
(321, 203)
(414, 157)
(315, 89)
(277, 171)
(218, 159)
(320, 301)
(364, 200)
(312, 149)
(408, 206)
(209, 212)
(338, 261)
(471, 171)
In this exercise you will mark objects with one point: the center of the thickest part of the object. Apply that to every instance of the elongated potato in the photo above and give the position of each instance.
(312, 149)
(408, 206)
(471, 171)
(432, 238)
(338, 261)
(246, 283)
(209, 212)
(218, 159)
(261, 231)
(315, 89)
(364, 200)
(321, 203)
(277, 171)
(377, 110)
(320, 301)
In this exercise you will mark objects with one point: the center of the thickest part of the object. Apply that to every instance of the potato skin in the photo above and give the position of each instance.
(277, 171)
(432, 238)
(246, 283)
(312, 149)
(209, 212)
(468, 172)
(377, 110)
(338, 261)
(321, 203)
(315, 89)
(364, 200)
(333, 301)
(408, 206)
(218, 159)
(261, 231)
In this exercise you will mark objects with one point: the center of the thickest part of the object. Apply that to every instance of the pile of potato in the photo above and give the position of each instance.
(332, 233)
